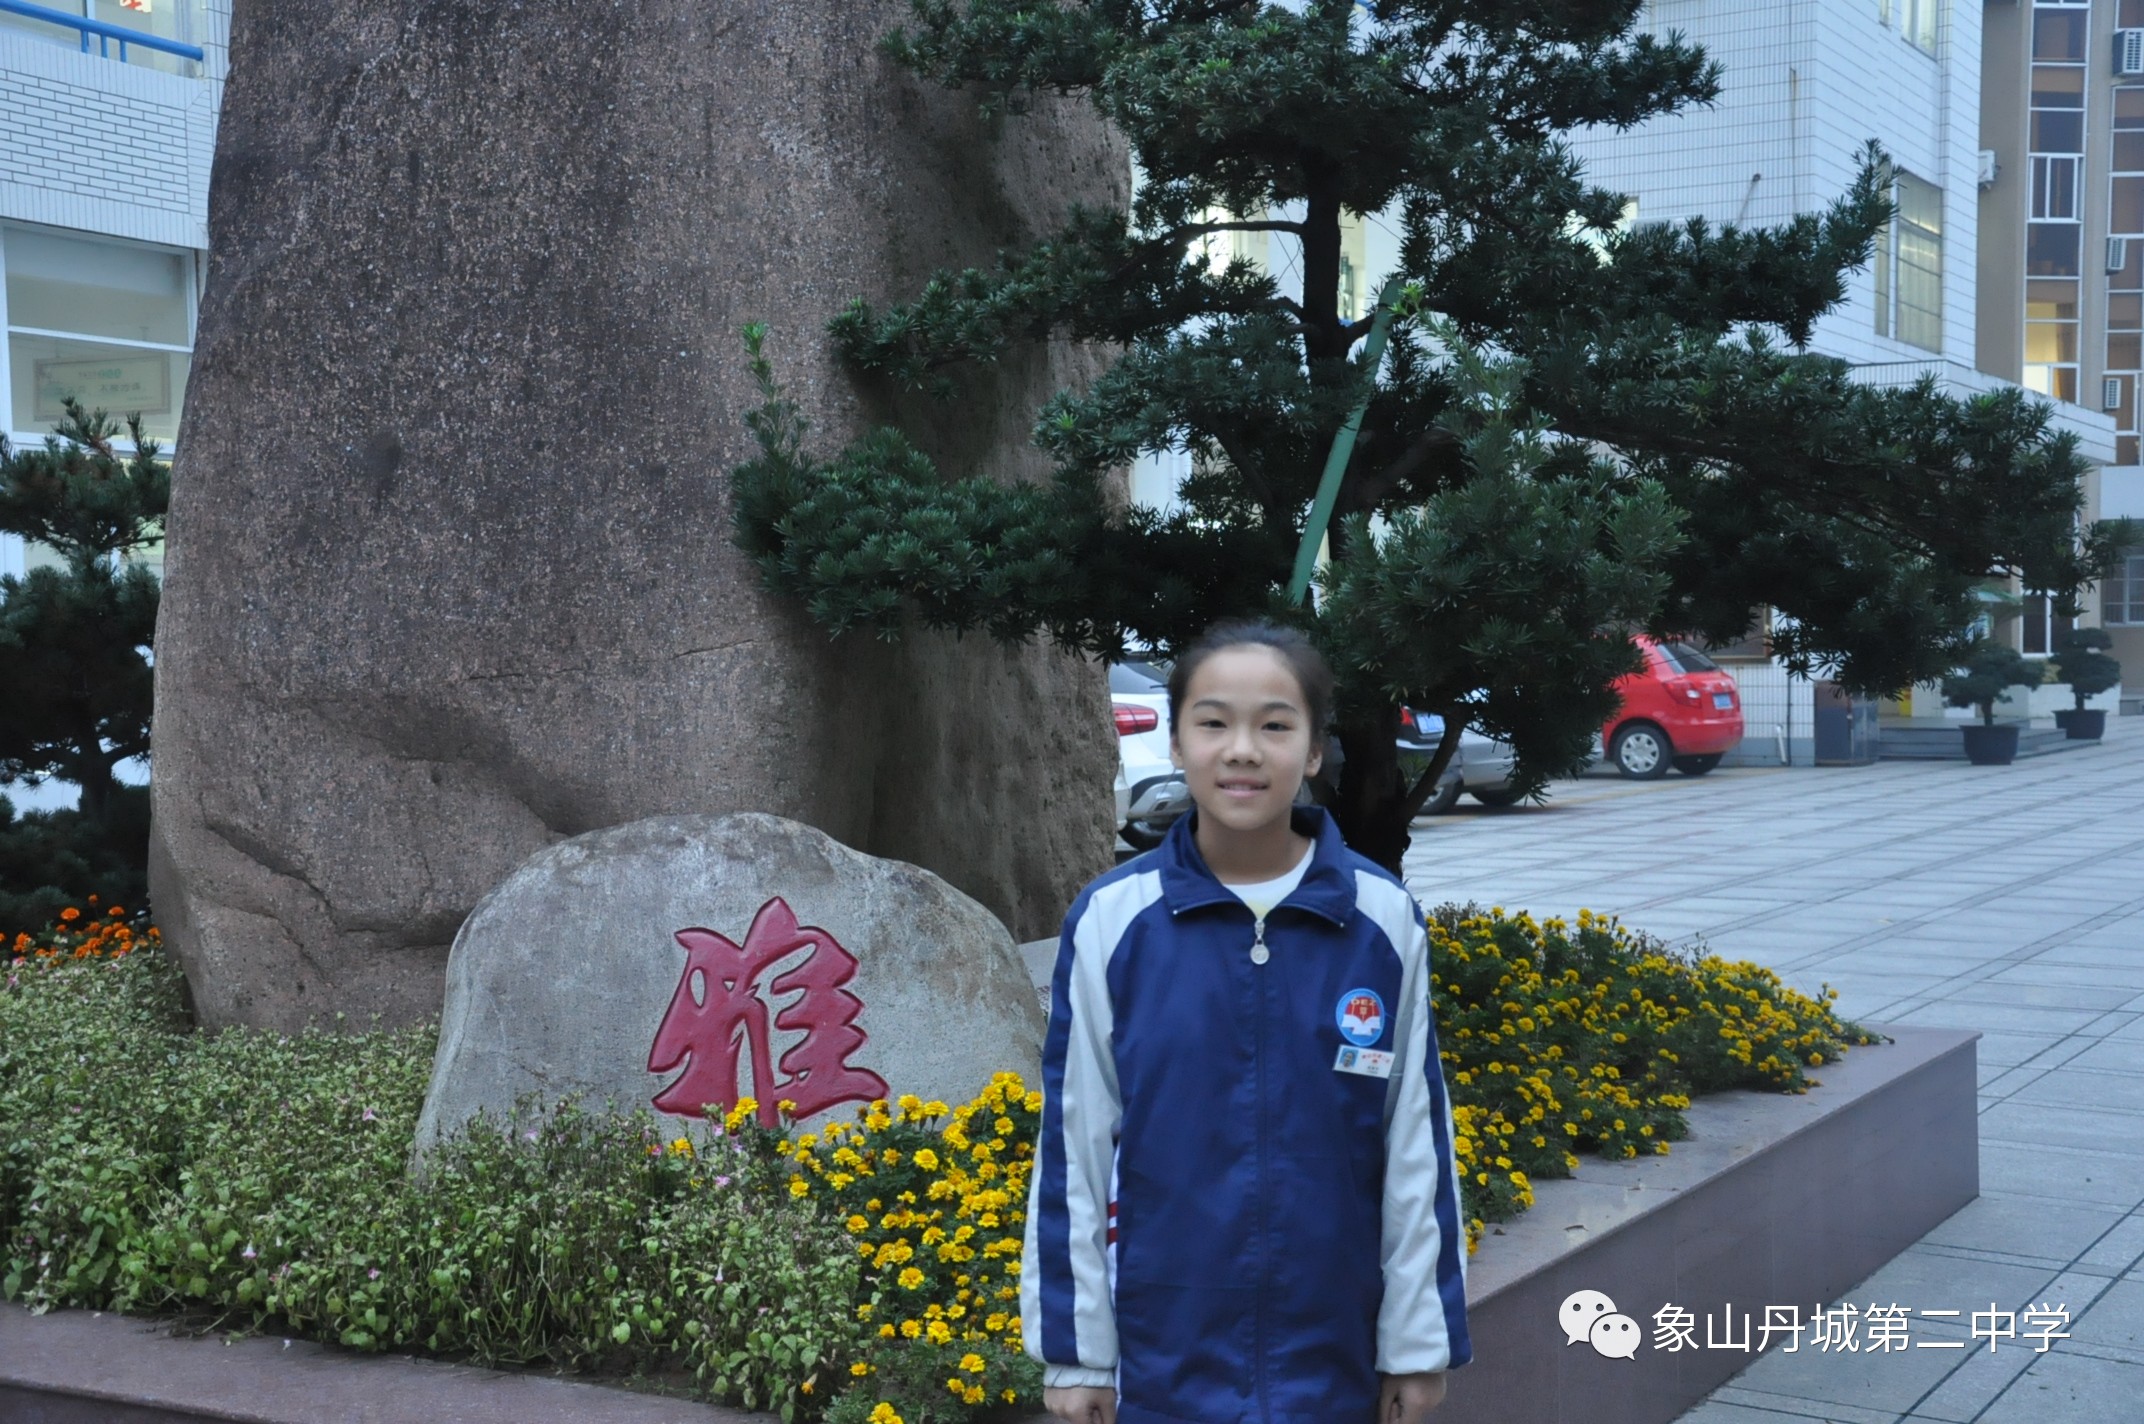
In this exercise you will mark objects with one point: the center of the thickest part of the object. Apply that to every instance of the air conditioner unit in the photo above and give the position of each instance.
(2110, 393)
(2129, 53)
(1990, 170)
(2117, 253)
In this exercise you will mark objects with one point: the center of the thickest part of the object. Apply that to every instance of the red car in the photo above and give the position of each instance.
(1682, 711)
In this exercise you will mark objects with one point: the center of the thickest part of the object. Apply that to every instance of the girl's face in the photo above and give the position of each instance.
(1243, 739)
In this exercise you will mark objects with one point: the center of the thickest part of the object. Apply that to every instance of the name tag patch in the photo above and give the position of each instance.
(1369, 1062)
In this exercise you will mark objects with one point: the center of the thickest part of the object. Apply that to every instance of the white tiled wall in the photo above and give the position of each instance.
(1807, 83)
(94, 145)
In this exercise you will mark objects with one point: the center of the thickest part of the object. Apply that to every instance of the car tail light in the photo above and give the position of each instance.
(1685, 690)
(1131, 717)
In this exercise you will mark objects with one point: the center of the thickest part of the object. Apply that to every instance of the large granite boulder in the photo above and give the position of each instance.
(683, 961)
(449, 574)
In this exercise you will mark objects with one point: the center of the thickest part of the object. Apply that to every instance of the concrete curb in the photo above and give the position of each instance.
(1773, 1200)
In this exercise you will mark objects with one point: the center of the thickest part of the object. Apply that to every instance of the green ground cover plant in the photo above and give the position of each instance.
(861, 1273)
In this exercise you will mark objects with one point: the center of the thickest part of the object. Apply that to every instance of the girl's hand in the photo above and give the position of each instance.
(1082, 1406)
(1407, 1399)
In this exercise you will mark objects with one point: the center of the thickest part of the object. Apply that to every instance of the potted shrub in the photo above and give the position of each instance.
(1990, 669)
(2082, 662)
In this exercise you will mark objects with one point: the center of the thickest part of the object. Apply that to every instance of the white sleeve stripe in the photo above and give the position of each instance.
(1413, 1334)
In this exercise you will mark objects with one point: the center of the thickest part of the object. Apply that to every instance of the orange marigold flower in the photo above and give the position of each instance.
(69, 915)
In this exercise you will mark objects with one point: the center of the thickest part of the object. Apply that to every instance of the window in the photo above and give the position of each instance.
(1917, 22)
(1684, 658)
(2051, 337)
(2041, 627)
(162, 19)
(1909, 266)
(108, 323)
(2122, 596)
(2054, 186)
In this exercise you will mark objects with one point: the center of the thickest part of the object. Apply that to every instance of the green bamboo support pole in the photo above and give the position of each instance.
(1321, 510)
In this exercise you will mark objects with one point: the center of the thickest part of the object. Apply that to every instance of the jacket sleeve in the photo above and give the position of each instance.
(1067, 1314)
(1422, 1325)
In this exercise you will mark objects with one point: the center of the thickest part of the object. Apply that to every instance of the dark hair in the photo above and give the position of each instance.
(1312, 673)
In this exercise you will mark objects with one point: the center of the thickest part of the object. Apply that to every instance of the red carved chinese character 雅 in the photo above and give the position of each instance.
(710, 1031)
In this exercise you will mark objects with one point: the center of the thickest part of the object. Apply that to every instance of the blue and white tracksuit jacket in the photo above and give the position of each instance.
(1224, 1225)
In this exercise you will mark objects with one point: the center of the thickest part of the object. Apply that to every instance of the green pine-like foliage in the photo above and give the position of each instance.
(74, 664)
(1579, 427)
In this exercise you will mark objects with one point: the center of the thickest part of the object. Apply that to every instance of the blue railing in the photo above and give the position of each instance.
(103, 32)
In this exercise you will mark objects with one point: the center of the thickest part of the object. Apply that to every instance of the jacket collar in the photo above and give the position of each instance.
(1327, 888)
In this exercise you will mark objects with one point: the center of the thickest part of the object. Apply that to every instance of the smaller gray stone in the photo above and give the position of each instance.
(702, 958)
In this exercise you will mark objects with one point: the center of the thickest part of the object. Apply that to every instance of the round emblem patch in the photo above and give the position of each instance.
(1361, 1016)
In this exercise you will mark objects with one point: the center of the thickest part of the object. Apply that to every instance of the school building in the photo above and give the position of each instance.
(107, 127)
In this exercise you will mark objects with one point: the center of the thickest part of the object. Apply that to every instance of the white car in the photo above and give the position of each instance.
(1150, 790)
(1481, 767)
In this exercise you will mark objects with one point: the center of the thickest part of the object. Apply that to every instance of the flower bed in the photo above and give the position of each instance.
(867, 1273)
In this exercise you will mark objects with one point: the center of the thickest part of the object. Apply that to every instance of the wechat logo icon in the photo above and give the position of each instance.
(1591, 1316)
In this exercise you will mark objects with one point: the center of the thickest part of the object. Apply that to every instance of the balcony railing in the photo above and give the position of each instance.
(105, 35)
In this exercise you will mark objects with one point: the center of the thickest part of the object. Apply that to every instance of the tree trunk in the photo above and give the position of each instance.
(1372, 805)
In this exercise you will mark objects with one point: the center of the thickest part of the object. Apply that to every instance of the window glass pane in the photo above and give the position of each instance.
(2125, 351)
(2050, 341)
(2057, 86)
(2130, 15)
(95, 288)
(2125, 449)
(119, 379)
(2129, 108)
(2128, 213)
(165, 19)
(2051, 249)
(2125, 311)
(1688, 659)
(28, 28)
(2035, 623)
(2051, 299)
(2129, 150)
(2058, 35)
(2057, 131)
(1920, 262)
(2054, 186)
(2062, 384)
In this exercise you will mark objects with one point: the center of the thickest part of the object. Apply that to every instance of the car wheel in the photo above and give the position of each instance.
(1443, 799)
(1497, 796)
(1697, 765)
(1140, 835)
(1642, 751)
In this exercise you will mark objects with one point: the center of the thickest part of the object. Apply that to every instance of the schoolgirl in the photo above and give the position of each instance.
(1244, 1204)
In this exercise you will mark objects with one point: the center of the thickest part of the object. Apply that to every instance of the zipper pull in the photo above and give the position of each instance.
(1259, 953)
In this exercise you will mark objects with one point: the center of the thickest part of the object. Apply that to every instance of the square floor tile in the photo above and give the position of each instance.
(2024, 1169)
(2063, 1387)
(2025, 1226)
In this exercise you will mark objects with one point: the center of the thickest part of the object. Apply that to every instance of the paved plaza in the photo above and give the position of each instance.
(2004, 899)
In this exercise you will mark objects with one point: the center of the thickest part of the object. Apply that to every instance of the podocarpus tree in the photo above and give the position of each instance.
(1577, 429)
(74, 670)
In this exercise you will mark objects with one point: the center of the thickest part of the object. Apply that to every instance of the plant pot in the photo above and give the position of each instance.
(1990, 746)
(2084, 724)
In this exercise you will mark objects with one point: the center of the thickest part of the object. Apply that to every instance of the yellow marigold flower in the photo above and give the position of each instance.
(938, 1332)
(884, 1414)
(972, 1363)
(860, 1369)
(858, 1225)
(972, 1395)
(798, 1187)
(934, 1108)
(910, 1278)
(910, 1329)
(745, 1110)
(926, 1159)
